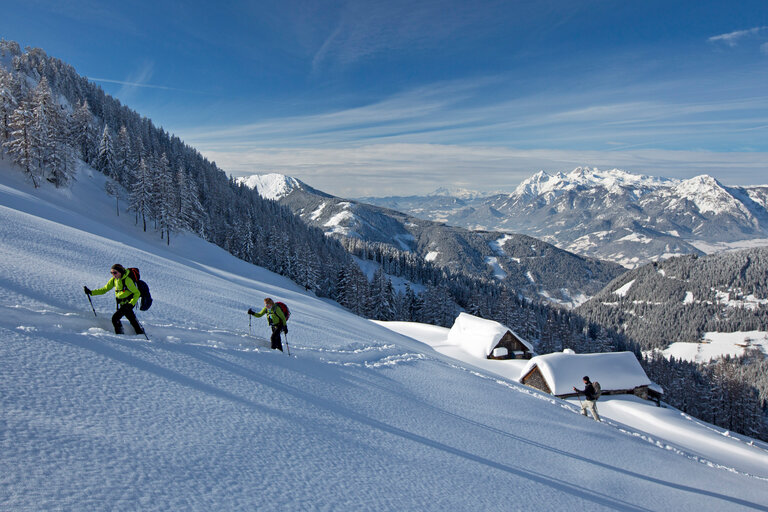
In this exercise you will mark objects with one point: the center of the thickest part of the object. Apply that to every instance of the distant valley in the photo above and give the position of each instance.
(533, 268)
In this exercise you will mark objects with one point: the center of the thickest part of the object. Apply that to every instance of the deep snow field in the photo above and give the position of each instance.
(205, 417)
(666, 426)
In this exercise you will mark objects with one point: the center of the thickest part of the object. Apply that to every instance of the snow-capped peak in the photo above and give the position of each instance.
(709, 195)
(270, 186)
(614, 180)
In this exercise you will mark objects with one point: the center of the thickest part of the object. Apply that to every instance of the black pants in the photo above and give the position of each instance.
(277, 343)
(126, 310)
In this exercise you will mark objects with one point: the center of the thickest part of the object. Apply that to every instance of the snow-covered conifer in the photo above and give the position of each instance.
(123, 169)
(7, 105)
(190, 212)
(21, 146)
(83, 132)
(141, 193)
(105, 158)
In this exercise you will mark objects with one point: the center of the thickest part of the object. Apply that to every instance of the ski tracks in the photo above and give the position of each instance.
(372, 355)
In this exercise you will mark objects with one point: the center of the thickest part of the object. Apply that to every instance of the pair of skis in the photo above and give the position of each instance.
(143, 331)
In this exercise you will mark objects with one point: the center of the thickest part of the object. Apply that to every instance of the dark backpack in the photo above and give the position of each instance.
(286, 311)
(146, 297)
(598, 391)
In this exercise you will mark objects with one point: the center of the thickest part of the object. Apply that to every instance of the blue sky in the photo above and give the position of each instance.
(400, 97)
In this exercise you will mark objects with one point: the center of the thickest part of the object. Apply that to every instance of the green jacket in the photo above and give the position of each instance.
(274, 315)
(125, 290)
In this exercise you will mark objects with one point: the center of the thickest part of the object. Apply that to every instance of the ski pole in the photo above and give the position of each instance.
(286, 344)
(89, 300)
(143, 330)
(249, 325)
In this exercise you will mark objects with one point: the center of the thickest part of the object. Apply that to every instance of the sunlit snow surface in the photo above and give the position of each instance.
(718, 344)
(663, 426)
(205, 417)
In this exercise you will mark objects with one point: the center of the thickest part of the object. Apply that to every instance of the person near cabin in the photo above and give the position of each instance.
(126, 296)
(590, 401)
(276, 319)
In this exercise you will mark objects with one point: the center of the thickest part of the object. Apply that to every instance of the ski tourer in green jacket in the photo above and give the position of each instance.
(126, 296)
(125, 290)
(276, 319)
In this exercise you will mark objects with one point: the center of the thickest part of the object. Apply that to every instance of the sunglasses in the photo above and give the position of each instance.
(114, 272)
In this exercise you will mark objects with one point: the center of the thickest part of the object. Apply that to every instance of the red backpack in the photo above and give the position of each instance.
(286, 311)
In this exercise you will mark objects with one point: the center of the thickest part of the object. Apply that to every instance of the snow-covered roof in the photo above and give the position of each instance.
(564, 370)
(478, 336)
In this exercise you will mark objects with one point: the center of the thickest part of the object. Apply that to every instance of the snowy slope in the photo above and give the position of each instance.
(666, 426)
(204, 417)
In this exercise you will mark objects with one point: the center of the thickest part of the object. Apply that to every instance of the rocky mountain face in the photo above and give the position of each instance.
(532, 267)
(614, 215)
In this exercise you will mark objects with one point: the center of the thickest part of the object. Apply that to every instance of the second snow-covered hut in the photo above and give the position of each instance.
(617, 373)
(488, 339)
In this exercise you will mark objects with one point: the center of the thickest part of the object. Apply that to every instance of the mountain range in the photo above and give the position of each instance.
(532, 267)
(613, 215)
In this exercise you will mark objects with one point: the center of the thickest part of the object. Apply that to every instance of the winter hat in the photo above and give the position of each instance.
(119, 268)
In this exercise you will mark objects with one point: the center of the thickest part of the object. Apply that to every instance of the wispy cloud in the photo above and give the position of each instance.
(363, 29)
(131, 84)
(453, 133)
(138, 79)
(732, 38)
(452, 113)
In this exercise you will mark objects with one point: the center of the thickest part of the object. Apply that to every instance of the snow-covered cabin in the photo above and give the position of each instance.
(488, 339)
(617, 373)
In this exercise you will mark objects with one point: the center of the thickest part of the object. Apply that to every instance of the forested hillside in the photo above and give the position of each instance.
(680, 299)
(50, 117)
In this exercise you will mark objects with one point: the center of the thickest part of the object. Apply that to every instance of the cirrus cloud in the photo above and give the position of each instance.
(732, 39)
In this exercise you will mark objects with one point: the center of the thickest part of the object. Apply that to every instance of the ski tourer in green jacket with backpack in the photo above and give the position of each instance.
(126, 296)
(276, 319)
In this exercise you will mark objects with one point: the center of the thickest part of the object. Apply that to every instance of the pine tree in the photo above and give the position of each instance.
(190, 212)
(83, 133)
(141, 194)
(382, 297)
(105, 158)
(124, 160)
(21, 146)
(8, 104)
(53, 156)
(164, 198)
